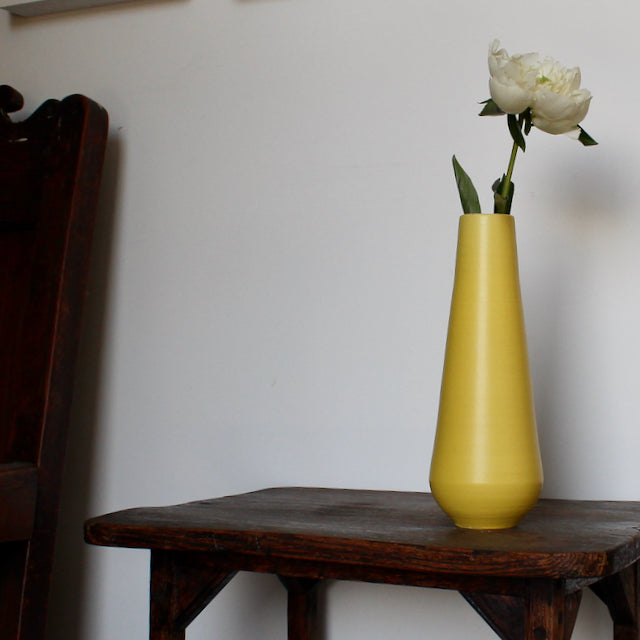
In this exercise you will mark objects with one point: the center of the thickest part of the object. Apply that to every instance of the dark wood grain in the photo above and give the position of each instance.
(504, 614)
(180, 589)
(50, 169)
(526, 582)
(302, 607)
(567, 539)
(621, 594)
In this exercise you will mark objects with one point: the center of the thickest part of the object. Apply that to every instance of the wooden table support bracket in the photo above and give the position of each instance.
(621, 593)
(183, 584)
(179, 591)
(546, 613)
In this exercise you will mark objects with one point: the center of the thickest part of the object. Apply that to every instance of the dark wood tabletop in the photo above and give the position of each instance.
(397, 538)
(559, 538)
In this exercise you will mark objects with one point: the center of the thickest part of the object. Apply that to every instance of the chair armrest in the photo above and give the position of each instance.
(18, 490)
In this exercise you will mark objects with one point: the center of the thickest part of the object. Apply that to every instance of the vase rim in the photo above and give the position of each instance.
(499, 215)
(485, 217)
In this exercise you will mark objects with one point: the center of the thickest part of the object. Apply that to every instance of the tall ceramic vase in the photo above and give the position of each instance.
(486, 471)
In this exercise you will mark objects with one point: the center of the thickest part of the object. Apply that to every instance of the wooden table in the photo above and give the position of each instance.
(525, 582)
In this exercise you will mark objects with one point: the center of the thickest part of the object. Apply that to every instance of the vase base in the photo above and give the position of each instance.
(485, 506)
(488, 524)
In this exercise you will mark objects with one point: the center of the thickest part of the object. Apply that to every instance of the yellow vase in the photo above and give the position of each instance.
(485, 470)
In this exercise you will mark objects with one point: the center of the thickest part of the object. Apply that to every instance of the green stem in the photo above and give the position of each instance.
(507, 180)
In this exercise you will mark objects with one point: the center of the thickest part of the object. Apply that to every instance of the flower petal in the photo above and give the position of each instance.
(510, 97)
(557, 113)
(513, 78)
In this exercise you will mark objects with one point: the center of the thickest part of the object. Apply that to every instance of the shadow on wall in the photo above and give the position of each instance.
(66, 606)
(30, 12)
(590, 219)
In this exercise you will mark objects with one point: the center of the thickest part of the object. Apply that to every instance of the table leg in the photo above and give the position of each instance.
(621, 594)
(302, 608)
(182, 585)
(546, 612)
(551, 612)
(504, 614)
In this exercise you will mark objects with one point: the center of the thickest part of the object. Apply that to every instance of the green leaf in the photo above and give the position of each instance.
(515, 129)
(466, 190)
(585, 138)
(500, 203)
(526, 116)
(491, 109)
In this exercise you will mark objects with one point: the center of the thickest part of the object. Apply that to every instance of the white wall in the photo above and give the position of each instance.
(274, 260)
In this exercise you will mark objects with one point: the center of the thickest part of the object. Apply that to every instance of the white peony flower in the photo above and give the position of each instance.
(553, 92)
(559, 104)
(513, 78)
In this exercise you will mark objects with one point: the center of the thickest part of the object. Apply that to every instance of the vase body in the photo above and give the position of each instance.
(486, 471)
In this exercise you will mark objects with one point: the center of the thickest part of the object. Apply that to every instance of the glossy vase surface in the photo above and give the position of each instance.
(486, 471)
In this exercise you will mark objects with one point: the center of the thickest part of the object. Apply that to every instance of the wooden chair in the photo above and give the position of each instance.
(50, 170)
